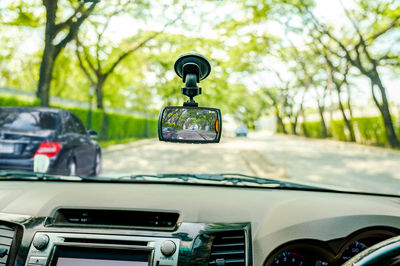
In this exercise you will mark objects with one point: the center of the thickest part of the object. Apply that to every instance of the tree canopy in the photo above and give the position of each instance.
(269, 57)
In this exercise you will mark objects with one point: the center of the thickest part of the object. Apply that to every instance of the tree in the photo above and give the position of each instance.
(52, 47)
(19, 18)
(304, 77)
(97, 73)
(287, 103)
(321, 94)
(338, 83)
(302, 71)
(274, 95)
(99, 65)
(98, 60)
(377, 18)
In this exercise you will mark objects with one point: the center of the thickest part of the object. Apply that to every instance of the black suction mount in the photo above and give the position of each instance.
(192, 68)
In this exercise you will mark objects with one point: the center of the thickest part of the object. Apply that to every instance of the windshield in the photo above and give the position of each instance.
(308, 91)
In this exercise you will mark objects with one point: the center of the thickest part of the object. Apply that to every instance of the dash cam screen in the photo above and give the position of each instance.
(94, 262)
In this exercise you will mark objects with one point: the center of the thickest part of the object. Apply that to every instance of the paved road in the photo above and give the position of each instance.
(196, 135)
(272, 156)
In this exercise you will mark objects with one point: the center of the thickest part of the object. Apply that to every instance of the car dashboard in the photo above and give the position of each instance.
(78, 223)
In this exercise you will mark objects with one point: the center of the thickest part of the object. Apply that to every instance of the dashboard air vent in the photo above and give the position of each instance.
(228, 248)
(6, 238)
(115, 218)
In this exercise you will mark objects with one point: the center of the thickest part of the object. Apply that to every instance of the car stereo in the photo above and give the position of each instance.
(74, 249)
(100, 256)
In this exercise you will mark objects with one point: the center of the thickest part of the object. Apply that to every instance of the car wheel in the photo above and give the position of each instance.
(71, 170)
(97, 165)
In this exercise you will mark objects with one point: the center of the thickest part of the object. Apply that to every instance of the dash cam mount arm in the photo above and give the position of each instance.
(192, 68)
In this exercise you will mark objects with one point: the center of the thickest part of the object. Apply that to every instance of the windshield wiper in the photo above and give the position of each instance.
(27, 175)
(234, 179)
(224, 179)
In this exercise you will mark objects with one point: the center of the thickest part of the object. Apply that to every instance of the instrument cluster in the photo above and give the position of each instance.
(309, 252)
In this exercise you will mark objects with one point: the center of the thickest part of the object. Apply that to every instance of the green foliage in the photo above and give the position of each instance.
(218, 90)
(368, 130)
(397, 126)
(249, 107)
(23, 13)
(371, 130)
(119, 126)
(245, 49)
(20, 101)
(338, 130)
(279, 129)
(314, 129)
(68, 80)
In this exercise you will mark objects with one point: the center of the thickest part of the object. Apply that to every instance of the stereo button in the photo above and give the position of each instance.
(168, 248)
(37, 260)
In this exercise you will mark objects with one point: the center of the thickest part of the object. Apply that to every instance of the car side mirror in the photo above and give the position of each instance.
(189, 124)
(92, 134)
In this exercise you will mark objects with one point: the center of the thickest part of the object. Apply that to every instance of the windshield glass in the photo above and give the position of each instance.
(22, 120)
(307, 91)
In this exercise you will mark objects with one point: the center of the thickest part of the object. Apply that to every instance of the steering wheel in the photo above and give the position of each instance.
(385, 253)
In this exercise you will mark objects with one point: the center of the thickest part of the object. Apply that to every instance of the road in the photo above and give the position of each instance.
(196, 134)
(289, 158)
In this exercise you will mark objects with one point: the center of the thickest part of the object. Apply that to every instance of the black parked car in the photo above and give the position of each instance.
(169, 133)
(58, 134)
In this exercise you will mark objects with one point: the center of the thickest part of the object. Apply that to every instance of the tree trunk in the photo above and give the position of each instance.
(281, 126)
(99, 92)
(104, 126)
(349, 102)
(46, 70)
(385, 111)
(49, 53)
(346, 120)
(52, 50)
(100, 105)
(303, 125)
(293, 125)
(323, 124)
(390, 132)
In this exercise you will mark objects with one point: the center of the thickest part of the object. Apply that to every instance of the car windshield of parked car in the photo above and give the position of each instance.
(308, 92)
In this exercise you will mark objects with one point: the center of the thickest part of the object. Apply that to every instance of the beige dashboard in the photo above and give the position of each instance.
(276, 216)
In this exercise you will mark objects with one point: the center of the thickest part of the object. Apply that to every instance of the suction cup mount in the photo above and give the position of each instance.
(192, 68)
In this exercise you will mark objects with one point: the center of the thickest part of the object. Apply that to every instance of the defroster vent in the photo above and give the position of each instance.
(115, 218)
(6, 238)
(228, 248)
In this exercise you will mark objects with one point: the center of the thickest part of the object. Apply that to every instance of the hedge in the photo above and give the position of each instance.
(368, 130)
(119, 126)
(339, 130)
(371, 130)
(314, 129)
(17, 101)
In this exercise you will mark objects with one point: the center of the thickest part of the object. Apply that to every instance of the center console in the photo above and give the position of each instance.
(152, 238)
(74, 249)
